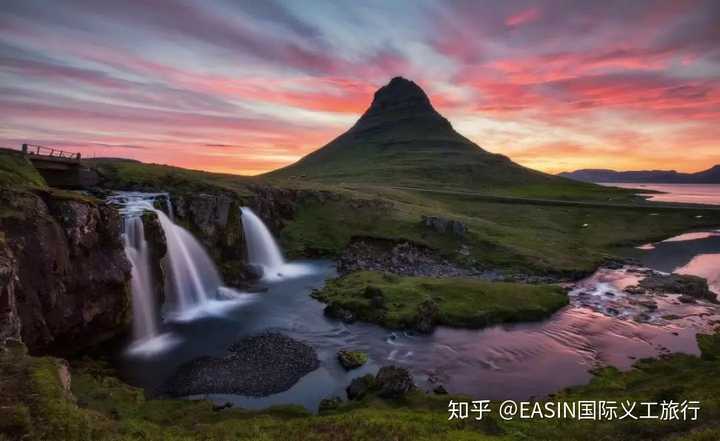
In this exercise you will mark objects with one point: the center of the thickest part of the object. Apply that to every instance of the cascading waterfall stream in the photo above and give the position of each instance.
(263, 250)
(193, 285)
(192, 273)
(136, 248)
(261, 246)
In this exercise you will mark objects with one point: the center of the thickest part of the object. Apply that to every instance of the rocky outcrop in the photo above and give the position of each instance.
(691, 286)
(216, 221)
(256, 366)
(67, 269)
(404, 258)
(9, 318)
(444, 226)
(390, 382)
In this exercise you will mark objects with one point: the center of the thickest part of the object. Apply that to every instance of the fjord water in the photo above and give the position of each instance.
(516, 361)
(684, 193)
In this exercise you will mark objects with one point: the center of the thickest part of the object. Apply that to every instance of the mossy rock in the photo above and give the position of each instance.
(352, 359)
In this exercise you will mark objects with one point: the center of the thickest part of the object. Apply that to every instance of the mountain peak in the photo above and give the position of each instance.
(400, 91)
(401, 100)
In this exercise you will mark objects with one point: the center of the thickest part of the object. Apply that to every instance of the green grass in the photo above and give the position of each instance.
(516, 237)
(17, 172)
(461, 302)
(127, 174)
(34, 406)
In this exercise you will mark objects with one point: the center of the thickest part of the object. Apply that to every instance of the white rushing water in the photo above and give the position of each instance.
(136, 247)
(263, 250)
(193, 286)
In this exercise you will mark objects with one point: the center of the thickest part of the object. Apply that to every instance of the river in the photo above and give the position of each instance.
(600, 327)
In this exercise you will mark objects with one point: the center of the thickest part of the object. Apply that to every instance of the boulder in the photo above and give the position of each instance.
(393, 382)
(335, 311)
(427, 316)
(352, 359)
(360, 387)
(692, 286)
(329, 404)
(444, 226)
(440, 390)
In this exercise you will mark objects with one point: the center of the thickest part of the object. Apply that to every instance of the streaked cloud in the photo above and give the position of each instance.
(246, 86)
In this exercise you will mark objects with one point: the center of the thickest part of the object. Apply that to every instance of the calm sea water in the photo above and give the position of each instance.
(685, 193)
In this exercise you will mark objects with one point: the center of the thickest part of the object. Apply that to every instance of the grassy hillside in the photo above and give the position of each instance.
(17, 172)
(518, 236)
(128, 174)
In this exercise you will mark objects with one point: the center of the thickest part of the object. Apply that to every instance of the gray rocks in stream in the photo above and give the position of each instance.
(255, 366)
(691, 286)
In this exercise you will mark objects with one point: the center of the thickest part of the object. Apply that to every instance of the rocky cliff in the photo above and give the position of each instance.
(216, 220)
(63, 272)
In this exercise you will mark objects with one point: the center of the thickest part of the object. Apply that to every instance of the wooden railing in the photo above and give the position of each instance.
(40, 150)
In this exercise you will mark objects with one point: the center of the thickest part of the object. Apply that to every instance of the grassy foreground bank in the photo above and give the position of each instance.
(38, 403)
(403, 302)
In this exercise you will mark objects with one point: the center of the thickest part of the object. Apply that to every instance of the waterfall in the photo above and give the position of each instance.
(136, 248)
(193, 275)
(193, 285)
(263, 250)
(261, 246)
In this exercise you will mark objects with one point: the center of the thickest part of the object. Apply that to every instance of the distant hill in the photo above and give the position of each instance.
(402, 140)
(709, 176)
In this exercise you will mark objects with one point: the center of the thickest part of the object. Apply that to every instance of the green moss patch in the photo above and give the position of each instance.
(403, 302)
(16, 171)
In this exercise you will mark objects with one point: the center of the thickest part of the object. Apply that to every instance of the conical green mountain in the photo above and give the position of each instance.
(402, 140)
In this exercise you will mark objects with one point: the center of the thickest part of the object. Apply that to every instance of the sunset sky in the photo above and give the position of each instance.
(249, 86)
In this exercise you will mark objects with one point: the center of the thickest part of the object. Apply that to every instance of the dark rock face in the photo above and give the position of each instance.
(255, 366)
(69, 269)
(444, 226)
(216, 220)
(691, 286)
(9, 319)
(393, 382)
(157, 244)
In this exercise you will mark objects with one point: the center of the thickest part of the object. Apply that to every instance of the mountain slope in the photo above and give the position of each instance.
(709, 176)
(401, 140)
